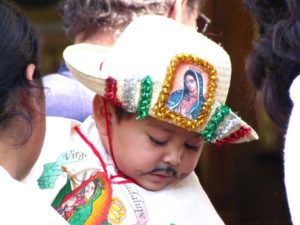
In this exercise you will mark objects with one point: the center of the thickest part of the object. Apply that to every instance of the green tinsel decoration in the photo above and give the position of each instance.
(209, 132)
(145, 98)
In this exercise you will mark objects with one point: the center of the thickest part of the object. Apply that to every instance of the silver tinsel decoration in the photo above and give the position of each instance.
(129, 95)
(229, 122)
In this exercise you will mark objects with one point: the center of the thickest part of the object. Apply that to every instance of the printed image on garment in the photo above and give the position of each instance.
(85, 197)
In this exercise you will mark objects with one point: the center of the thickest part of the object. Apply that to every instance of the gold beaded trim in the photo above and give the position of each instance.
(163, 113)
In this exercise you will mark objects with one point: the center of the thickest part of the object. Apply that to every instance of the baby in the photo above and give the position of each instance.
(160, 97)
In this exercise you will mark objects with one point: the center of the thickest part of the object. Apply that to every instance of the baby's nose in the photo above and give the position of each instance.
(173, 157)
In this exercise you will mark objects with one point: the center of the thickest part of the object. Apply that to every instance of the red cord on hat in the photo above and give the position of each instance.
(111, 92)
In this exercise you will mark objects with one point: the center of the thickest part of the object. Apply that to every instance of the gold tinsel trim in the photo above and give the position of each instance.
(160, 109)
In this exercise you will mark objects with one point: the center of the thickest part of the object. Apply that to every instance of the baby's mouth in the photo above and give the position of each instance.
(164, 172)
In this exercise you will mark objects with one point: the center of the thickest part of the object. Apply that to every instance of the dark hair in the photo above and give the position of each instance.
(275, 58)
(122, 114)
(19, 47)
(109, 16)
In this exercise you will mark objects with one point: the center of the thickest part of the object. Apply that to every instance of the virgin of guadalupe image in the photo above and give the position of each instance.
(88, 203)
(188, 101)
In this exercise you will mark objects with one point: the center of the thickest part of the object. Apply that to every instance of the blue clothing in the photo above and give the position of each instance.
(64, 71)
(177, 97)
(67, 97)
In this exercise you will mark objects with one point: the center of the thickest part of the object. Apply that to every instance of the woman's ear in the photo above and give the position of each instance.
(177, 11)
(35, 101)
(30, 72)
(183, 13)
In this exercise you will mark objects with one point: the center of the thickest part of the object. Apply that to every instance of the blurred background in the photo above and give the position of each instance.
(244, 181)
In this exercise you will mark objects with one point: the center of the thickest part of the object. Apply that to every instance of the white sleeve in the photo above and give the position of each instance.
(292, 155)
(21, 205)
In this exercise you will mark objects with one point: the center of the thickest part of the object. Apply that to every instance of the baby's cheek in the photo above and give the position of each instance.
(190, 164)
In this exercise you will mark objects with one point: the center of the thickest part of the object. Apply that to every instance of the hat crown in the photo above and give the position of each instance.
(149, 44)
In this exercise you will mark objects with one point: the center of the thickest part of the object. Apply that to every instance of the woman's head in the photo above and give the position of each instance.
(275, 59)
(21, 90)
(109, 18)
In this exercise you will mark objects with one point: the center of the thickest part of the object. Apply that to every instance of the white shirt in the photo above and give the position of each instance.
(20, 205)
(292, 154)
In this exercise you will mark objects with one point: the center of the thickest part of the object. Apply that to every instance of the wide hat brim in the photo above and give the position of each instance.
(141, 73)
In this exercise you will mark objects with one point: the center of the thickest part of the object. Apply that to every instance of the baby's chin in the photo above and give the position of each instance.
(156, 187)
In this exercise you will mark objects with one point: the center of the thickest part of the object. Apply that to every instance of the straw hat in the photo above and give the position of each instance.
(166, 70)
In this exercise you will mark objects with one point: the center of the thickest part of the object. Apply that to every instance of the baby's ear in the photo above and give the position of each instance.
(102, 114)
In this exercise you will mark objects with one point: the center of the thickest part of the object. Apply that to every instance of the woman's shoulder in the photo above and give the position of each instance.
(18, 199)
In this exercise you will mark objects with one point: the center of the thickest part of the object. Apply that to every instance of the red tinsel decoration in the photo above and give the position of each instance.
(111, 92)
(242, 132)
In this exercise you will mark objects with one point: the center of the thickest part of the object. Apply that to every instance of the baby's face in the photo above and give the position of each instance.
(154, 153)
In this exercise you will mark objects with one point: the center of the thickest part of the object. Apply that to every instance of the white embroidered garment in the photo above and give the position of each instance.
(76, 184)
(20, 205)
(292, 154)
